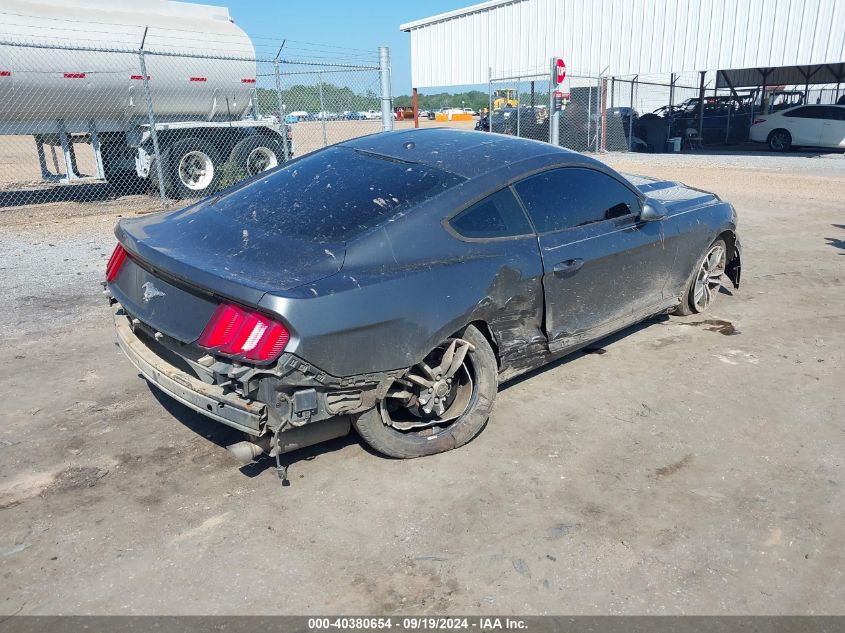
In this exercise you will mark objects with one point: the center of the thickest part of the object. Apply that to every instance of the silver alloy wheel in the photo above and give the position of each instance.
(260, 159)
(709, 278)
(196, 170)
(428, 398)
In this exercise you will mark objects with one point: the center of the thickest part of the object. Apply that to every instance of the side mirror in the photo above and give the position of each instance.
(652, 210)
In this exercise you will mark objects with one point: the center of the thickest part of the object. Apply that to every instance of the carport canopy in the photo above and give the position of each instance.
(781, 76)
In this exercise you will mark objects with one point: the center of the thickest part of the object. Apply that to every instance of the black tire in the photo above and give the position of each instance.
(123, 181)
(250, 154)
(688, 304)
(175, 185)
(406, 445)
(779, 140)
(126, 182)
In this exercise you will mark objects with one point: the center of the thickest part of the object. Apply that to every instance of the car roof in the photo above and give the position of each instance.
(809, 105)
(465, 153)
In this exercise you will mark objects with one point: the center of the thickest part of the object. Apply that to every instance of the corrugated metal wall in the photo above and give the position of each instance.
(625, 37)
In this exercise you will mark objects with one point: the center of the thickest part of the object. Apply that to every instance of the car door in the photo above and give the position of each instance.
(833, 127)
(603, 267)
(805, 124)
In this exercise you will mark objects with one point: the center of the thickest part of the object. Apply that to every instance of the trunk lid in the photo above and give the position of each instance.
(182, 263)
(221, 254)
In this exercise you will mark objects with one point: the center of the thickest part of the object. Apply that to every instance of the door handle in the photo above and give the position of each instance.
(567, 267)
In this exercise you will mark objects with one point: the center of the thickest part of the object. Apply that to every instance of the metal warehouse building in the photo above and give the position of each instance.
(739, 43)
(628, 37)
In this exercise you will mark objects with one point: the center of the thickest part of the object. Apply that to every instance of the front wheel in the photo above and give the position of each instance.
(441, 403)
(707, 281)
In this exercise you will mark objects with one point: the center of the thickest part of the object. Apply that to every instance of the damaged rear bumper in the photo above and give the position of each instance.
(290, 395)
(210, 400)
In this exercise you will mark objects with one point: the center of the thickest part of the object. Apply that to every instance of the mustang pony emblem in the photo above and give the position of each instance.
(151, 292)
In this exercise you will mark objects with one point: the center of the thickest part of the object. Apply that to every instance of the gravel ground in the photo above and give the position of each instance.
(682, 471)
(751, 158)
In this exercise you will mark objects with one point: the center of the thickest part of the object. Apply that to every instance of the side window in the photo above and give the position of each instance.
(807, 112)
(832, 113)
(573, 196)
(498, 215)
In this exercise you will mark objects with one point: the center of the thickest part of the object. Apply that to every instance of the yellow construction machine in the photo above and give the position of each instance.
(505, 97)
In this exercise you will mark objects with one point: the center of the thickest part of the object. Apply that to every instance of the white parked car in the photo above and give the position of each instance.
(806, 125)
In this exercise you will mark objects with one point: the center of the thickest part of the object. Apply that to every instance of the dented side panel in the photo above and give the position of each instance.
(383, 318)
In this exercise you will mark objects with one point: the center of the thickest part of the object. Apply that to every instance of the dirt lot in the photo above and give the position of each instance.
(685, 470)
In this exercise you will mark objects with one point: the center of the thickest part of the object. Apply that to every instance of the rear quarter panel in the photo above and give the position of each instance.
(407, 287)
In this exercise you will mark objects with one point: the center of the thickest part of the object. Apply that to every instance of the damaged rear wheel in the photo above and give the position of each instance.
(441, 403)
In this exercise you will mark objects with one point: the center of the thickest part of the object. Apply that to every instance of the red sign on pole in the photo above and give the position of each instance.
(560, 71)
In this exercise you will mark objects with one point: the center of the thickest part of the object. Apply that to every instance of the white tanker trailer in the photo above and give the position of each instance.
(55, 87)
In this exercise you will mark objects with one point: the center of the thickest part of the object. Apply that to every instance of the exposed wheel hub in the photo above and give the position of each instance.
(430, 396)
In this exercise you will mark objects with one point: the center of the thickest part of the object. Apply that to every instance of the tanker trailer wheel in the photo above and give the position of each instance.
(122, 180)
(255, 154)
(191, 168)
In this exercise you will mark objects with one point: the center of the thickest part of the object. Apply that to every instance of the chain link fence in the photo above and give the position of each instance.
(86, 124)
(687, 111)
(524, 105)
(665, 112)
(644, 113)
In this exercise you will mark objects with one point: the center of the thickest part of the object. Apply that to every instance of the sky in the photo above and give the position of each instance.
(348, 25)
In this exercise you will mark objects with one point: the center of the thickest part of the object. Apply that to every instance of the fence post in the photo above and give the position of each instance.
(323, 112)
(281, 109)
(554, 129)
(603, 116)
(490, 98)
(589, 114)
(631, 114)
(151, 116)
(671, 91)
(386, 100)
(701, 109)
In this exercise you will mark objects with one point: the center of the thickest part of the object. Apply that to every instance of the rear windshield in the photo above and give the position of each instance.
(334, 194)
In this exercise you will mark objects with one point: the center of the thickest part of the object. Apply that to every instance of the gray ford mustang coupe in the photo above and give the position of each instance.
(392, 281)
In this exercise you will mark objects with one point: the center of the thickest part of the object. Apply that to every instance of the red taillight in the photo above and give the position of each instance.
(224, 323)
(234, 331)
(756, 121)
(115, 262)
